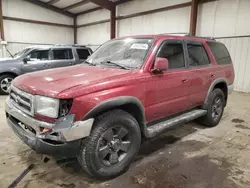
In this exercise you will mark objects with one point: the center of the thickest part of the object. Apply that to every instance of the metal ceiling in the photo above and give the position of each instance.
(76, 7)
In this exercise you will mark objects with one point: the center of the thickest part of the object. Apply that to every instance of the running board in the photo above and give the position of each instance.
(159, 128)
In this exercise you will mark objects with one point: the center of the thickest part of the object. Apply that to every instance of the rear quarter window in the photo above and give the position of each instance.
(220, 53)
(83, 53)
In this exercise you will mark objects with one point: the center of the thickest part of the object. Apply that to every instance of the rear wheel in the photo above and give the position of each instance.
(5, 83)
(113, 144)
(215, 109)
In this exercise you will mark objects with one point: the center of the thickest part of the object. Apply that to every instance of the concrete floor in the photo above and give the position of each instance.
(190, 156)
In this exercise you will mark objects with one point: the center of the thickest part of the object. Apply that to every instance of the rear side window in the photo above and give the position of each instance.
(174, 53)
(59, 54)
(83, 53)
(197, 55)
(220, 53)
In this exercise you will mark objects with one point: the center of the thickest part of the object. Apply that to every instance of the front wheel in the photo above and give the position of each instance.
(113, 144)
(5, 83)
(215, 109)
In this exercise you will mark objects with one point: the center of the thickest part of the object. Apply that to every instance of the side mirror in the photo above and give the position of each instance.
(26, 59)
(161, 64)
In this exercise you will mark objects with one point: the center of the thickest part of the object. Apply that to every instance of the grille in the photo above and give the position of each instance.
(22, 100)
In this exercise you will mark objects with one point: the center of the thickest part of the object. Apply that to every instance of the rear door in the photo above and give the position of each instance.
(62, 57)
(224, 67)
(201, 72)
(37, 59)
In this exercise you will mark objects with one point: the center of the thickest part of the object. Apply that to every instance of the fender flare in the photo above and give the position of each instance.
(9, 72)
(116, 102)
(210, 90)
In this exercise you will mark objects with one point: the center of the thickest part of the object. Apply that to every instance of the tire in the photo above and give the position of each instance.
(5, 81)
(213, 116)
(106, 158)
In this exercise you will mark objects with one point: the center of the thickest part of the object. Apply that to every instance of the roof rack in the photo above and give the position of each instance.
(78, 45)
(210, 38)
(73, 45)
(181, 33)
(189, 35)
(201, 37)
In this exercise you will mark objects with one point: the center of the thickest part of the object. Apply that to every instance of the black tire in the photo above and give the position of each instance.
(213, 116)
(123, 147)
(9, 77)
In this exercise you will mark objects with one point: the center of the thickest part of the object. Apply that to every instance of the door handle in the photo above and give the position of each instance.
(185, 80)
(212, 75)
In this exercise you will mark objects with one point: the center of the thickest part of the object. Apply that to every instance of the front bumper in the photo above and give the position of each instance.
(42, 147)
(63, 140)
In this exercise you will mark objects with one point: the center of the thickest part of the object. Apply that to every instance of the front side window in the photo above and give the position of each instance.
(62, 54)
(38, 55)
(128, 53)
(174, 53)
(82, 53)
(197, 55)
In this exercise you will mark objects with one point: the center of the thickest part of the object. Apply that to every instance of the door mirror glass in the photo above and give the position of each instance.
(161, 64)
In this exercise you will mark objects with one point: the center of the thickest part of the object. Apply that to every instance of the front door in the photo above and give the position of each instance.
(167, 93)
(36, 60)
(201, 72)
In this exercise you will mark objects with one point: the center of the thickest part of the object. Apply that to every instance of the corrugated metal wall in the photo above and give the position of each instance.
(93, 35)
(239, 49)
(176, 20)
(20, 34)
(220, 18)
(162, 22)
(226, 18)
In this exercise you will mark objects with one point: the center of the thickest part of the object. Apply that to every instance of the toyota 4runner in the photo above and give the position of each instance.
(129, 88)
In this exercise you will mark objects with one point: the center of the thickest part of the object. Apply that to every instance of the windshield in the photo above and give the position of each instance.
(128, 53)
(20, 53)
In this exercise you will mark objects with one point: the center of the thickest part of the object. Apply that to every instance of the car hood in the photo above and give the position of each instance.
(54, 81)
(7, 60)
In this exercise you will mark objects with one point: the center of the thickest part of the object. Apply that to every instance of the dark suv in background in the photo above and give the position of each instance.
(37, 58)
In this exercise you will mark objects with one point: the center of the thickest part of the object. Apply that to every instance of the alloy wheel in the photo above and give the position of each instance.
(217, 108)
(114, 145)
(5, 84)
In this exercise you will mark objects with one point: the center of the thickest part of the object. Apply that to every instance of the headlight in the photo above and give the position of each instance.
(46, 106)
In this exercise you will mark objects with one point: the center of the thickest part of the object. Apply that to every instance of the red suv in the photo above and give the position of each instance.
(129, 88)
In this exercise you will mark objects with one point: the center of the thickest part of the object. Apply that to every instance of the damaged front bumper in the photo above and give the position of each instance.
(63, 139)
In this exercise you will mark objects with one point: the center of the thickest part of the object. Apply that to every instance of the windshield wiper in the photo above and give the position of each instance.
(113, 63)
(87, 62)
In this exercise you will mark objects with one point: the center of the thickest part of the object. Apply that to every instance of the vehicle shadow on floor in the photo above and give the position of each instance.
(149, 146)
(58, 169)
